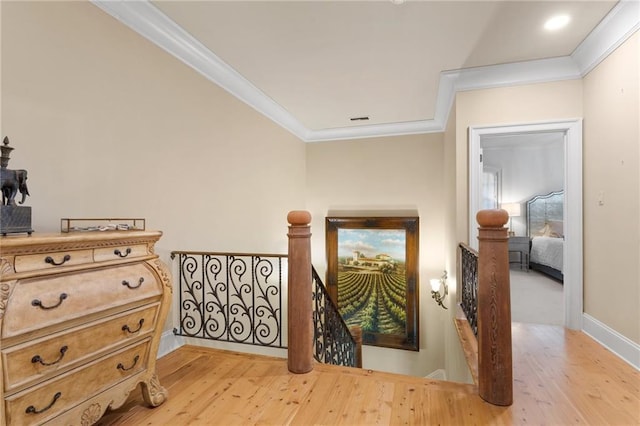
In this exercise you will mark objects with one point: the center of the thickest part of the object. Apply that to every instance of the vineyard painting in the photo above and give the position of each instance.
(372, 275)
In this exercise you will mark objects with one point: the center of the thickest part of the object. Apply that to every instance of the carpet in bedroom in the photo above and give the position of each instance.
(535, 298)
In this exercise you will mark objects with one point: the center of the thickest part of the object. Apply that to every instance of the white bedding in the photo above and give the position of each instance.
(547, 251)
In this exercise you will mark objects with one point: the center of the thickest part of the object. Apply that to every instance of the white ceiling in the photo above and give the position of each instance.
(312, 65)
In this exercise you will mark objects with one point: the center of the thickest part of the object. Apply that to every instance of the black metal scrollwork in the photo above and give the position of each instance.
(33, 410)
(469, 303)
(38, 359)
(38, 302)
(133, 287)
(334, 343)
(49, 260)
(127, 252)
(238, 298)
(123, 368)
(128, 330)
(231, 297)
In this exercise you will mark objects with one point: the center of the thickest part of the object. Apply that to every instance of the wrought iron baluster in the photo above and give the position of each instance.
(232, 299)
(469, 303)
(334, 343)
(215, 304)
(280, 299)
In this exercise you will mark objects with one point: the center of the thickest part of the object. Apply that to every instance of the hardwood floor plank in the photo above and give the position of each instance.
(561, 377)
(243, 394)
(329, 408)
(323, 400)
(360, 409)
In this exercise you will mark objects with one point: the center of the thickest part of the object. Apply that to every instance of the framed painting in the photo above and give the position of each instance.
(372, 276)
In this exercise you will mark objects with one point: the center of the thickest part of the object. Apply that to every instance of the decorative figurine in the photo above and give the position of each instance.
(14, 218)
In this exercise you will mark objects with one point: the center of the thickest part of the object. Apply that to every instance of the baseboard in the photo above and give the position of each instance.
(169, 342)
(626, 349)
(439, 374)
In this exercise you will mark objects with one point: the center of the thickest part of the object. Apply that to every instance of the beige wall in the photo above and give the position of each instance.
(455, 362)
(608, 100)
(387, 174)
(109, 125)
(611, 164)
(503, 106)
(492, 107)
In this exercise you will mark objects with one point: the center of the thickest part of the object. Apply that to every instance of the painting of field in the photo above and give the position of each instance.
(372, 288)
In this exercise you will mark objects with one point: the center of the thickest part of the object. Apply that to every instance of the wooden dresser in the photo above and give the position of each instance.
(81, 316)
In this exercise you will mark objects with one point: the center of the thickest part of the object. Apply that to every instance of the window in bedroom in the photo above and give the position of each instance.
(491, 188)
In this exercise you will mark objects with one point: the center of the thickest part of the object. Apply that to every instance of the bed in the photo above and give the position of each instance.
(545, 229)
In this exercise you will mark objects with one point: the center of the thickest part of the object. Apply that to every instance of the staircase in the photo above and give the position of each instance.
(238, 298)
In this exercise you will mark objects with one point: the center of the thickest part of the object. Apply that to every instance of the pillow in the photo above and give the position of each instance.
(551, 229)
(557, 228)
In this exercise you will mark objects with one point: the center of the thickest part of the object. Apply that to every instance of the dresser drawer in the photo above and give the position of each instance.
(118, 253)
(40, 359)
(35, 262)
(45, 401)
(39, 303)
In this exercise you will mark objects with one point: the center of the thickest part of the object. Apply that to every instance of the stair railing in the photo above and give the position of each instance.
(468, 279)
(334, 342)
(325, 331)
(231, 297)
(237, 298)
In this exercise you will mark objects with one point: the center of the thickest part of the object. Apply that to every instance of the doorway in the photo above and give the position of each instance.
(571, 134)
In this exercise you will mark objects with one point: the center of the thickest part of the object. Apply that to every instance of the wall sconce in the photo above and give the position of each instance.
(436, 283)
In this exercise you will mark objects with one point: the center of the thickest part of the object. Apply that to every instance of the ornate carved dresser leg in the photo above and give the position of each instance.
(153, 393)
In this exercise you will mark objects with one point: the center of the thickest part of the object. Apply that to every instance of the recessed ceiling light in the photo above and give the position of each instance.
(397, 1)
(556, 22)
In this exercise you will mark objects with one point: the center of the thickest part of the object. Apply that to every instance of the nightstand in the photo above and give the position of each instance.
(519, 245)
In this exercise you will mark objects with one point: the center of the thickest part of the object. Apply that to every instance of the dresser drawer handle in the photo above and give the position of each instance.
(38, 358)
(127, 252)
(133, 287)
(123, 368)
(127, 329)
(38, 303)
(66, 258)
(32, 410)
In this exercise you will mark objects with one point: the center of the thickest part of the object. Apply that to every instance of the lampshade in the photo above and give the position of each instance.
(512, 208)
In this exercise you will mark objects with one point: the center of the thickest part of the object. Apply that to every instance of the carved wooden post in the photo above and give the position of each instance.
(495, 375)
(300, 325)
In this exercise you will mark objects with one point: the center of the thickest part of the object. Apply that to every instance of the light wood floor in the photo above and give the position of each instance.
(561, 377)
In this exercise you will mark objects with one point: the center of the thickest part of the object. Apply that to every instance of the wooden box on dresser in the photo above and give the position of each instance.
(81, 316)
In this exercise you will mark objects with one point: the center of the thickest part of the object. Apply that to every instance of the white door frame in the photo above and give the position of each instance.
(572, 251)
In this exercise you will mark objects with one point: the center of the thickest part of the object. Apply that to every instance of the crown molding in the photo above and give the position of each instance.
(148, 21)
(375, 130)
(152, 24)
(620, 24)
